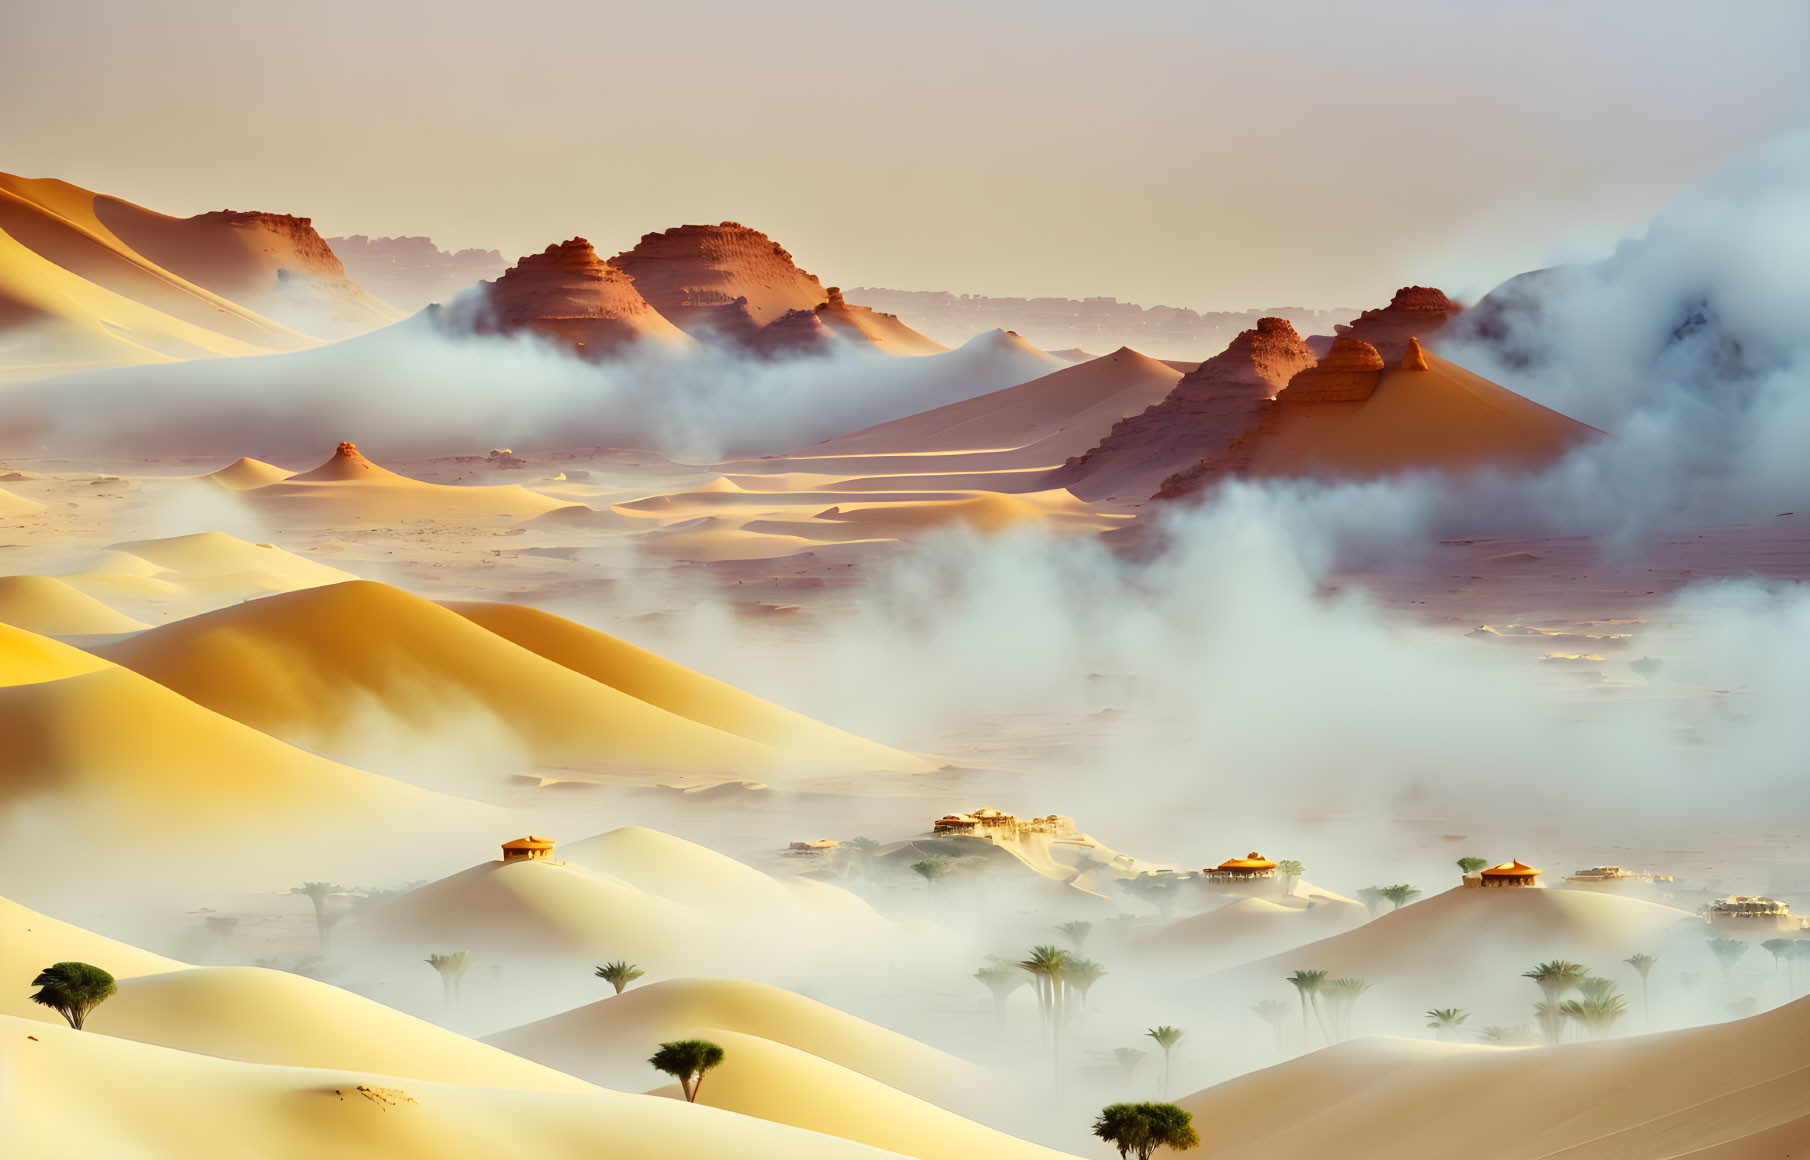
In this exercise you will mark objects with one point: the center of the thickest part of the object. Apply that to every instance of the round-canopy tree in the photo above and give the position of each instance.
(686, 1060)
(73, 990)
(1140, 1129)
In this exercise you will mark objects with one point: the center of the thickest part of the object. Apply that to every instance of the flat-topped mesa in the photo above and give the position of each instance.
(306, 247)
(569, 294)
(723, 279)
(1349, 373)
(1202, 415)
(1415, 310)
(1415, 359)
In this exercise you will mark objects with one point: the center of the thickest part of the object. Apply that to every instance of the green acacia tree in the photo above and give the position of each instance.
(1400, 896)
(73, 990)
(1291, 872)
(1469, 866)
(1159, 890)
(1129, 1058)
(1728, 952)
(687, 1060)
(1140, 1129)
(1076, 932)
(619, 974)
(1372, 898)
(931, 869)
(1001, 980)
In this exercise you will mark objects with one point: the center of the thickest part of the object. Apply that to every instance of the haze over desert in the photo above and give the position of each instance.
(1001, 580)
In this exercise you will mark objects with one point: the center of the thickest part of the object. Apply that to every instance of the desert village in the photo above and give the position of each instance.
(627, 694)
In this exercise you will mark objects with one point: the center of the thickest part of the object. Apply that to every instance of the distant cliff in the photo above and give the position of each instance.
(409, 273)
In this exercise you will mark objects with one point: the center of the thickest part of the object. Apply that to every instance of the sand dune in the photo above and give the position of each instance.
(214, 562)
(1035, 424)
(1734, 1091)
(675, 688)
(30, 941)
(165, 1103)
(14, 505)
(348, 487)
(602, 1041)
(1483, 935)
(309, 667)
(1250, 928)
(88, 280)
(45, 604)
(243, 474)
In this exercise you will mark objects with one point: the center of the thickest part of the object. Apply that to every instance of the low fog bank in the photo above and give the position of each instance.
(421, 387)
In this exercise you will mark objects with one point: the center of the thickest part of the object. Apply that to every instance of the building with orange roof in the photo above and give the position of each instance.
(531, 848)
(1246, 869)
(1512, 873)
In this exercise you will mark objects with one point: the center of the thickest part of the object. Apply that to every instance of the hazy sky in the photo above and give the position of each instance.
(1193, 153)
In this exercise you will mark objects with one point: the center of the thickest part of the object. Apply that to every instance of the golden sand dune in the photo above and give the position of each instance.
(1732, 1091)
(535, 907)
(1481, 934)
(30, 941)
(1036, 424)
(89, 280)
(988, 512)
(86, 731)
(262, 1016)
(310, 666)
(763, 1078)
(678, 871)
(215, 561)
(243, 474)
(600, 1041)
(45, 604)
(164, 1103)
(14, 505)
(685, 692)
(349, 487)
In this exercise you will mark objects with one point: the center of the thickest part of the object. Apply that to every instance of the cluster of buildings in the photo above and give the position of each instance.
(1752, 912)
(988, 822)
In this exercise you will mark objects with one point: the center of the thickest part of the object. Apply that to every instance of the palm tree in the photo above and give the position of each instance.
(1129, 1058)
(931, 869)
(1446, 1022)
(1077, 932)
(1400, 896)
(73, 990)
(1469, 866)
(1342, 996)
(1167, 1037)
(686, 1060)
(619, 974)
(1643, 966)
(1728, 952)
(1001, 980)
(318, 893)
(1291, 872)
(1048, 968)
(1372, 898)
(1554, 979)
(1082, 974)
(1307, 986)
(452, 968)
(1273, 1012)
(1140, 1129)
(1598, 1010)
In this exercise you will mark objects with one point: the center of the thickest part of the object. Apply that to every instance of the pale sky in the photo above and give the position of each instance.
(1220, 156)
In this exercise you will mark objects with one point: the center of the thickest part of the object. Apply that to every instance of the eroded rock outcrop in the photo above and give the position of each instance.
(721, 280)
(1203, 415)
(569, 294)
(1348, 374)
(1415, 310)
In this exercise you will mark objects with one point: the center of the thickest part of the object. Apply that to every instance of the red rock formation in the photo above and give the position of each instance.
(1415, 310)
(1348, 374)
(724, 280)
(292, 238)
(1205, 412)
(569, 294)
(1415, 359)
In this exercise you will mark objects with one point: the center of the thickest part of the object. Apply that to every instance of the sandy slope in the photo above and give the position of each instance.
(347, 487)
(13, 504)
(1250, 928)
(313, 667)
(243, 473)
(678, 871)
(88, 280)
(163, 1103)
(45, 604)
(30, 941)
(1484, 934)
(1040, 423)
(602, 1041)
(1735, 1091)
(673, 687)
(214, 562)
(1443, 418)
